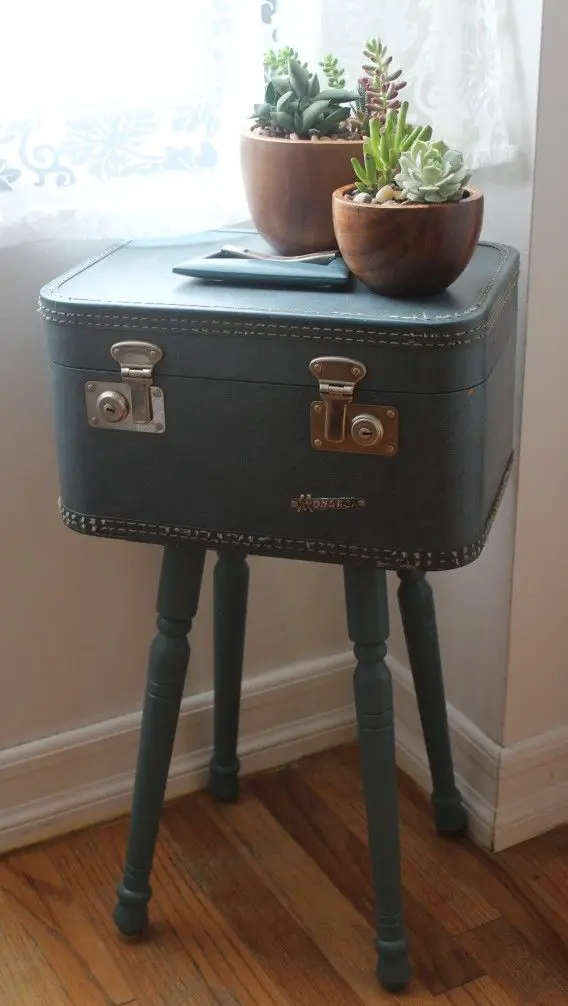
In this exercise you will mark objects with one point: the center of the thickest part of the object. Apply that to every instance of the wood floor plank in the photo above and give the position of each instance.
(191, 954)
(157, 966)
(540, 870)
(506, 888)
(439, 961)
(230, 967)
(340, 932)
(26, 976)
(427, 873)
(66, 967)
(290, 958)
(483, 992)
(525, 974)
(269, 903)
(42, 892)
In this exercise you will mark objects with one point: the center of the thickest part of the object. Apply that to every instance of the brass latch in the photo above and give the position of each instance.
(339, 424)
(136, 404)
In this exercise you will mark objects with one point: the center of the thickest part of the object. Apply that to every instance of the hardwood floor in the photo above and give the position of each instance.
(267, 902)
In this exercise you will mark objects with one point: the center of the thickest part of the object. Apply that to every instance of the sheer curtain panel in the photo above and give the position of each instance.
(121, 119)
(461, 61)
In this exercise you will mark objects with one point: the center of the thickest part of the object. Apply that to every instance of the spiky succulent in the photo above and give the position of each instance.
(294, 103)
(431, 173)
(383, 150)
(381, 86)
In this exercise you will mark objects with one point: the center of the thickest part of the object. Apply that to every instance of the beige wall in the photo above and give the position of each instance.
(537, 696)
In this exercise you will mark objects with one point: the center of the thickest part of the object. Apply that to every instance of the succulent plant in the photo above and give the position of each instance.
(377, 93)
(380, 86)
(294, 103)
(276, 61)
(330, 67)
(383, 149)
(431, 173)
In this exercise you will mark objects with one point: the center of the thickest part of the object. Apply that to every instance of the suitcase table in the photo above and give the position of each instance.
(324, 425)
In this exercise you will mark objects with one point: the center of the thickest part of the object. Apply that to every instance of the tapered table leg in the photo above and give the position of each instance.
(231, 579)
(178, 596)
(416, 602)
(367, 617)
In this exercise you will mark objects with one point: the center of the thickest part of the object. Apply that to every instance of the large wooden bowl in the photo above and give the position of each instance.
(409, 250)
(289, 185)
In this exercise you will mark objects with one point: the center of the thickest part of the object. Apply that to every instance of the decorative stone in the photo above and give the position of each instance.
(362, 197)
(385, 193)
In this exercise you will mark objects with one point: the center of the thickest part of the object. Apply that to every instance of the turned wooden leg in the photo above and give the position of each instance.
(231, 579)
(178, 596)
(419, 620)
(367, 617)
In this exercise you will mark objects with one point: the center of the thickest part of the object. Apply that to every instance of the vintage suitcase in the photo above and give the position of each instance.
(318, 424)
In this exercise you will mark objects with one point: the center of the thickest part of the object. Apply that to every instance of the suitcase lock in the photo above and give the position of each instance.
(135, 405)
(337, 423)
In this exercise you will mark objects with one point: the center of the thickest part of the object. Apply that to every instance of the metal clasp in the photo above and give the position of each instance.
(137, 361)
(337, 423)
(337, 377)
(136, 405)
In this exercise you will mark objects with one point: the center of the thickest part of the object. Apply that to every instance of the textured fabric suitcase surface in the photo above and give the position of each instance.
(239, 439)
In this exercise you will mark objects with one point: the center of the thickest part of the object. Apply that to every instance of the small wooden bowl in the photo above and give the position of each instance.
(289, 185)
(408, 250)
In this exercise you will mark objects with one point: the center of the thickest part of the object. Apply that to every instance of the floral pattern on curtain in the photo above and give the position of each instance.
(461, 62)
(128, 123)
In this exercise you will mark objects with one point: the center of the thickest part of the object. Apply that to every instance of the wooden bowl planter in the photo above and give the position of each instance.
(289, 185)
(411, 249)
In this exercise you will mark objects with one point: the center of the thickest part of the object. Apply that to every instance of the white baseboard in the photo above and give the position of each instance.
(58, 784)
(533, 788)
(61, 783)
(512, 793)
(476, 756)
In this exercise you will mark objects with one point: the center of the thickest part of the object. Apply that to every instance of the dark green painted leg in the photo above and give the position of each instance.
(367, 617)
(419, 620)
(178, 596)
(231, 579)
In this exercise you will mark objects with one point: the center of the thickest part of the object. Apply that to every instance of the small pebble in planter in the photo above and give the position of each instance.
(385, 194)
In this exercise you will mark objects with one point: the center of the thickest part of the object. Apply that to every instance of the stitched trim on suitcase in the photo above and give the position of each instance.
(506, 253)
(295, 548)
(235, 327)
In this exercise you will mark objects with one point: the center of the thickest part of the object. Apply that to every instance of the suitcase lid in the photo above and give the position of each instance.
(256, 333)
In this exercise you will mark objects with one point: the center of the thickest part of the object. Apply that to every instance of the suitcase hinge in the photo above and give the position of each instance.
(338, 424)
(136, 404)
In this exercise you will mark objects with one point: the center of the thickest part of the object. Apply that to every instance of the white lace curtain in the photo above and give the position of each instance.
(461, 62)
(120, 118)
